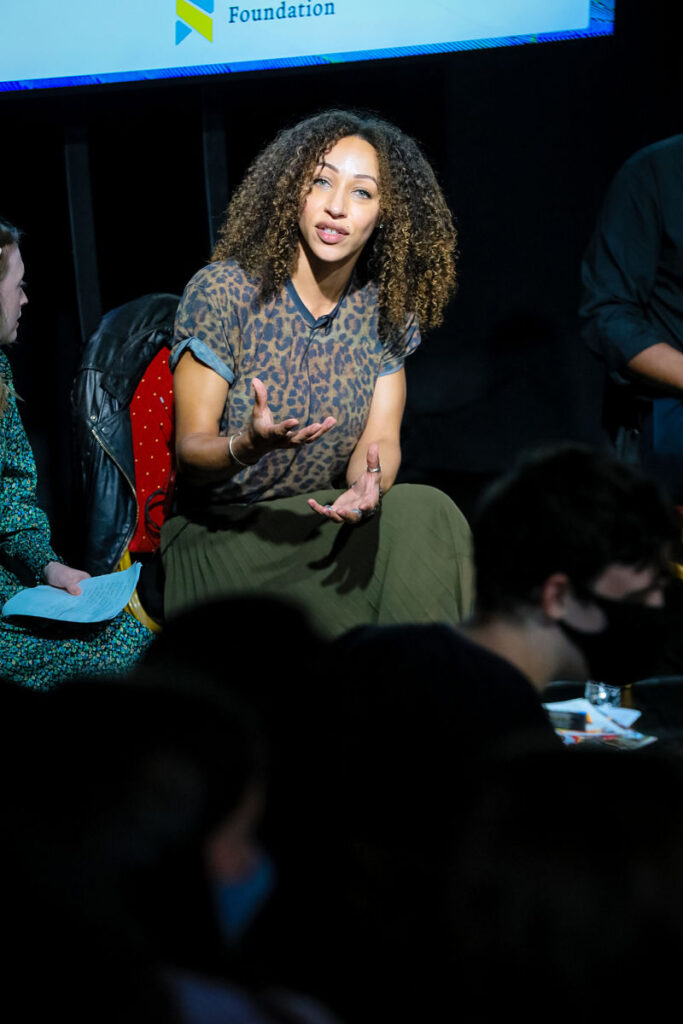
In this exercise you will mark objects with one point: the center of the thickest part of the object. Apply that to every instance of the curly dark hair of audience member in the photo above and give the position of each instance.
(569, 509)
(9, 236)
(411, 257)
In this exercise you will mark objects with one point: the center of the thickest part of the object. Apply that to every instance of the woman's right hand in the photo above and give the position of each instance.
(204, 454)
(264, 435)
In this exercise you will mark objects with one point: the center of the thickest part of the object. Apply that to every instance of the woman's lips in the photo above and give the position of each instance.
(330, 234)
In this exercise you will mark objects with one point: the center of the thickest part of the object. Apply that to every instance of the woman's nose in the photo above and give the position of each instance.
(336, 203)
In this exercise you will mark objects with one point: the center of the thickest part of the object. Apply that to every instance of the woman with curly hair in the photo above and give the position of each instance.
(50, 653)
(289, 382)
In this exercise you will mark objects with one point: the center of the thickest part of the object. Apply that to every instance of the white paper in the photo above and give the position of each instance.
(601, 719)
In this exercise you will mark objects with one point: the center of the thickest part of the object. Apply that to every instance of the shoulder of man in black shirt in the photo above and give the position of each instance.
(433, 673)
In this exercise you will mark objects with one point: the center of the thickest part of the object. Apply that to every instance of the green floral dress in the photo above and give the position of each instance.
(46, 653)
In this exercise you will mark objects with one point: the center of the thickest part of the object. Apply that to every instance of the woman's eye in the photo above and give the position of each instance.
(363, 193)
(320, 181)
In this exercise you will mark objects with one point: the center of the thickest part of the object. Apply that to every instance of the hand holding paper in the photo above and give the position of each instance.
(100, 598)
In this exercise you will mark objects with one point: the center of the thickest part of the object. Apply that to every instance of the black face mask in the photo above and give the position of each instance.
(631, 643)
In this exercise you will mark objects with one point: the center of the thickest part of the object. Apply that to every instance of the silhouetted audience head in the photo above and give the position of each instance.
(568, 888)
(128, 801)
(248, 643)
(383, 776)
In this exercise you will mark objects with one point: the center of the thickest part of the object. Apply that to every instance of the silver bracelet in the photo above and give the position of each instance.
(232, 453)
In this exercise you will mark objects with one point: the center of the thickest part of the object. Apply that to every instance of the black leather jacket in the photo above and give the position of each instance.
(113, 362)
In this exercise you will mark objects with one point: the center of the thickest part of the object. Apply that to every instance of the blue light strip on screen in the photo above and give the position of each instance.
(601, 23)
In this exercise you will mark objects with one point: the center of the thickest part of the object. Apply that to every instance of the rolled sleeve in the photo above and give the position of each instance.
(395, 354)
(206, 324)
(201, 351)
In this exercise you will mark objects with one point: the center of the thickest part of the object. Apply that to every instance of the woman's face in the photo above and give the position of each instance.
(12, 296)
(340, 212)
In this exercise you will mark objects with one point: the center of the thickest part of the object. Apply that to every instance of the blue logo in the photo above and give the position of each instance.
(195, 15)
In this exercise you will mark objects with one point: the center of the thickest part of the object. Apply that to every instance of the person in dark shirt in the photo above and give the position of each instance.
(632, 301)
(571, 554)
(572, 558)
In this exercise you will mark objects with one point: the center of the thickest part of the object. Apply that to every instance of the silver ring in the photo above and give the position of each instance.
(358, 512)
(328, 506)
(377, 470)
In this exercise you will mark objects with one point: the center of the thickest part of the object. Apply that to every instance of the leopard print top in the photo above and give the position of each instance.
(310, 368)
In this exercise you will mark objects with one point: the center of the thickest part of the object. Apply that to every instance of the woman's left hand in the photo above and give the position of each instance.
(64, 577)
(362, 497)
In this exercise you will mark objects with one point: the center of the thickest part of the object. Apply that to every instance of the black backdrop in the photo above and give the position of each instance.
(524, 141)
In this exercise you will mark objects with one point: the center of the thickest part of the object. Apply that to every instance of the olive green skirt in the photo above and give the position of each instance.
(412, 562)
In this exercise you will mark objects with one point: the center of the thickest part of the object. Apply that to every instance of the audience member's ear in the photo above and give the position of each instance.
(554, 594)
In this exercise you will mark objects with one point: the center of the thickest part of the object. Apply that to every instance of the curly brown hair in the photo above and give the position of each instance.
(9, 237)
(411, 258)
